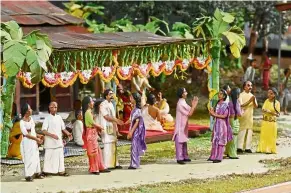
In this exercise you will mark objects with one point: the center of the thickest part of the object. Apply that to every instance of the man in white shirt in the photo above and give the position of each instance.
(108, 121)
(52, 128)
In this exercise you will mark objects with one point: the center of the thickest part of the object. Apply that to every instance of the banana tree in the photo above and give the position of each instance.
(83, 9)
(181, 30)
(29, 53)
(220, 30)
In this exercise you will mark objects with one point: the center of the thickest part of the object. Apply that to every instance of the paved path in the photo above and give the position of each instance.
(148, 174)
(279, 188)
(155, 173)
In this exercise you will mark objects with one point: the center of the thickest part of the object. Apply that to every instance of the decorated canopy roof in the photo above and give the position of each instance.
(121, 54)
(71, 40)
(36, 13)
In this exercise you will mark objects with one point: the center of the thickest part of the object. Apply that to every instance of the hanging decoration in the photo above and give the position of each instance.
(157, 68)
(201, 62)
(25, 78)
(107, 73)
(124, 72)
(86, 75)
(169, 67)
(143, 69)
(67, 79)
(123, 63)
(183, 64)
(50, 79)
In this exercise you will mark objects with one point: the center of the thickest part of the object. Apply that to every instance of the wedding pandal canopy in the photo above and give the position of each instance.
(117, 56)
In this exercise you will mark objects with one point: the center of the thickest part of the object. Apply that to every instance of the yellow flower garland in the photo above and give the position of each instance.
(94, 72)
(109, 78)
(69, 82)
(117, 72)
(46, 83)
(24, 80)
(200, 66)
(124, 77)
(139, 72)
(161, 69)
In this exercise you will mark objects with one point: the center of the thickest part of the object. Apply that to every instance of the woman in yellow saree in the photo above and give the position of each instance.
(268, 136)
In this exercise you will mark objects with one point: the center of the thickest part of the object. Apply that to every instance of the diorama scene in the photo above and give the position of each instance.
(145, 96)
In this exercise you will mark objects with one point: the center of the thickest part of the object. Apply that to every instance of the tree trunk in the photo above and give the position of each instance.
(7, 99)
(253, 41)
(214, 78)
(215, 53)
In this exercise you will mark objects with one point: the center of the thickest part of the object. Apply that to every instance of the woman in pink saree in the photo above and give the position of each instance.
(90, 136)
(222, 132)
(183, 111)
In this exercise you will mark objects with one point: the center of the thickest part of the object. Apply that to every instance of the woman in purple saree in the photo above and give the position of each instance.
(222, 132)
(136, 132)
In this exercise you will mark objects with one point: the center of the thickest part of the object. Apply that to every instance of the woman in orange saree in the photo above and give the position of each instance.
(90, 136)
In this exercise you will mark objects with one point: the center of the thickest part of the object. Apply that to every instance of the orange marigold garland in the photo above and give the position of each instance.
(201, 62)
(51, 79)
(157, 68)
(124, 72)
(67, 78)
(169, 67)
(107, 73)
(86, 75)
(25, 78)
(143, 69)
(183, 64)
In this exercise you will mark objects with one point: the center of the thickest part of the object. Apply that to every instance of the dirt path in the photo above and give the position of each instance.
(148, 174)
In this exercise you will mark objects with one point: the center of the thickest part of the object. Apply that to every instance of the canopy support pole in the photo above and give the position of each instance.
(279, 49)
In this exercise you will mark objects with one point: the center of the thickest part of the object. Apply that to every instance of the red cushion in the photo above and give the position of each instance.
(150, 133)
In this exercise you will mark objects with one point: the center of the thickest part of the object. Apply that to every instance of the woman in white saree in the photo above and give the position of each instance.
(29, 145)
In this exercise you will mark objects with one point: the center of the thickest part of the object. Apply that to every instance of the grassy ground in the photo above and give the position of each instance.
(199, 147)
(225, 184)
(165, 151)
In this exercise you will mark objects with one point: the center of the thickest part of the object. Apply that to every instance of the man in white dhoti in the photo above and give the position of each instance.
(109, 122)
(152, 116)
(140, 84)
(52, 128)
(29, 145)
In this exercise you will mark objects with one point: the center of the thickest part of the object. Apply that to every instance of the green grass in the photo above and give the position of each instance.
(200, 117)
(226, 184)
(198, 147)
(162, 152)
